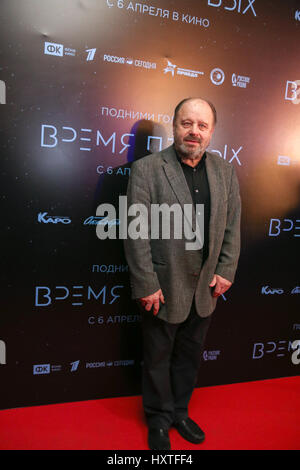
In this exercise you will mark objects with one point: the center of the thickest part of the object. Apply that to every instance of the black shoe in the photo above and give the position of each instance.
(190, 430)
(158, 439)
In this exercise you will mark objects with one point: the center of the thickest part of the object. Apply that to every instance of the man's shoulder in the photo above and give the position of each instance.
(153, 160)
(219, 163)
(213, 157)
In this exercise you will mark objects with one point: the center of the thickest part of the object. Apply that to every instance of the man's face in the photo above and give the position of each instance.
(193, 129)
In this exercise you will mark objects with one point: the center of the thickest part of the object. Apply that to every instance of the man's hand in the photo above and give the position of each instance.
(220, 285)
(152, 301)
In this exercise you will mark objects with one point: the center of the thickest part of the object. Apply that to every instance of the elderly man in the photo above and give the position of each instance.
(176, 287)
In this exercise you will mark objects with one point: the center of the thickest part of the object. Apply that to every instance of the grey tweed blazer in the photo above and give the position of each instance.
(165, 263)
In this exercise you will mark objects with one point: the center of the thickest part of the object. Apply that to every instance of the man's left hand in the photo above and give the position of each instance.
(220, 285)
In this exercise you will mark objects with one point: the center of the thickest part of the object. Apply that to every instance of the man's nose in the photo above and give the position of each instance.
(194, 129)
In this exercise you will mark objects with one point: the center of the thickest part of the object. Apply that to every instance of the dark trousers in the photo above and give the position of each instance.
(172, 355)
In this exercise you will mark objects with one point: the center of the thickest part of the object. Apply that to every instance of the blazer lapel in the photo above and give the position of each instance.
(176, 177)
(179, 185)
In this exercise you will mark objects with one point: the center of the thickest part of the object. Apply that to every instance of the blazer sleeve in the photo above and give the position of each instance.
(143, 279)
(230, 250)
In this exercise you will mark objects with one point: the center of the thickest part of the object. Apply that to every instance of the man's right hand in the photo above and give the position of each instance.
(152, 301)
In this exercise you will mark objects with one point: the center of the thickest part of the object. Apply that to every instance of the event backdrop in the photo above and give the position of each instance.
(87, 87)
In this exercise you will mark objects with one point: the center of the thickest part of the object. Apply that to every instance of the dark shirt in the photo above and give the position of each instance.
(197, 182)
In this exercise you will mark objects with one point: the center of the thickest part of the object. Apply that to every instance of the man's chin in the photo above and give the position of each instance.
(191, 153)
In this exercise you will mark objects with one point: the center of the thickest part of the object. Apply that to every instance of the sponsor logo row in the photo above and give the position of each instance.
(44, 218)
(217, 75)
(46, 369)
(260, 350)
(267, 290)
(277, 348)
(276, 228)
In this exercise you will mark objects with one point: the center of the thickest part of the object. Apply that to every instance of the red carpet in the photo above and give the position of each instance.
(262, 415)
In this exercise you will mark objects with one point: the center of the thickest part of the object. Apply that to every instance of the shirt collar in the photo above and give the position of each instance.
(198, 166)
